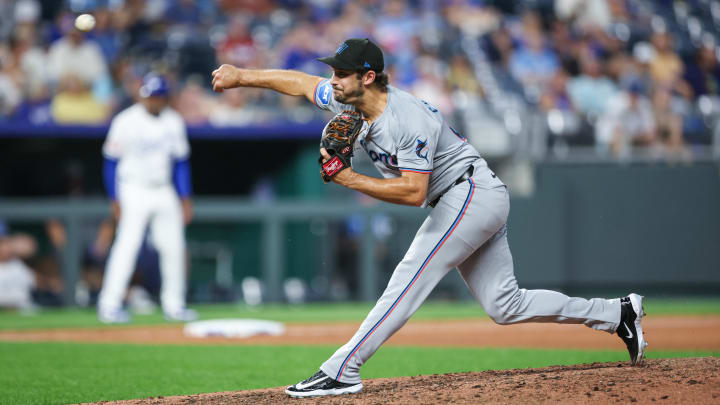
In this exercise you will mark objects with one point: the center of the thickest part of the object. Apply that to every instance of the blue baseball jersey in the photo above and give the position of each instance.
(411, 135)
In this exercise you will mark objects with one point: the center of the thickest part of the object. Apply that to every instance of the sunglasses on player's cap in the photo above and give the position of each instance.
(356, 54)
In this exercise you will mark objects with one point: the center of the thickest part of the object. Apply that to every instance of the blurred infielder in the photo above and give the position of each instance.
(425, 162)
(147, 176)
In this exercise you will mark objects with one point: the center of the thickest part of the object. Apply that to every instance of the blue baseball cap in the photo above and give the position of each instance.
(154, 85)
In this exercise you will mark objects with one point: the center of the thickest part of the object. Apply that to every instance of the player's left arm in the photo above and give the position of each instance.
(408, 189)
(181, 173)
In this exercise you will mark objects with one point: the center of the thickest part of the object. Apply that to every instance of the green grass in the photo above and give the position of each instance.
(682, 306)
(68, 318)
(60, 373)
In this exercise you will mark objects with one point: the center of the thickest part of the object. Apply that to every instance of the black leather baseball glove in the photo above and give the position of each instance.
(338, 138)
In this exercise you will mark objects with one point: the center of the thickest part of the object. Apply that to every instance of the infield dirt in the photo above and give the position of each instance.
(662, 333)
(659, 381)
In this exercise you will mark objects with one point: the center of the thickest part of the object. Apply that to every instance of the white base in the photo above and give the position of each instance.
(233, 328)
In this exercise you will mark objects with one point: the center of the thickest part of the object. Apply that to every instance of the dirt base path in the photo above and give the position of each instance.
(662, 333)
(661, 381)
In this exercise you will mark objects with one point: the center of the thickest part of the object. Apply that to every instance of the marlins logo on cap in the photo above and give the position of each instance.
(341, 48)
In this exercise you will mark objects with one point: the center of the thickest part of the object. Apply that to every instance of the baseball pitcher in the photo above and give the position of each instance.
(147, 176)
(424, 162)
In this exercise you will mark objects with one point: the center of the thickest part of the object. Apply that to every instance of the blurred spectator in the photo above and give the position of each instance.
(106, 34)
(461, 76)
(556, 96)
(30, 61)
(74, 55)
(19, 12)
(666, 67)
(233, 109)
(127, 83)
(189, 12)
(300, 52)
(354, 21)
(533, 63)
(74, 103)
(472, 18)
(10, 93)
(17, 280)
(499, 46)
(584, 14)
(668, 124)
(622, 68)
(238, 47)
(565, 45)
(430, 85)
(591, 91)
(394, 30)
(703, 73)
(194, 103)
(627, 121)
(562, 118)
(256, 7)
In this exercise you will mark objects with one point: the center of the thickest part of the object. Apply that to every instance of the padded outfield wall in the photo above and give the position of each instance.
(647, 225)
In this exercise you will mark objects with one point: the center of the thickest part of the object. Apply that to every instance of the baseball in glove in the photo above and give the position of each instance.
(338, 138)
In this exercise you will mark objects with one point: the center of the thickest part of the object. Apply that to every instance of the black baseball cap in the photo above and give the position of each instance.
(356, 54)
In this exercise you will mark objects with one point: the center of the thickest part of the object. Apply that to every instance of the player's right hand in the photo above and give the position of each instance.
(187, 209)
(225, 77)
(325, 155)
(115, 209)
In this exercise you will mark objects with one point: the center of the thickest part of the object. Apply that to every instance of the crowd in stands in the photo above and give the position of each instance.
(609, 73)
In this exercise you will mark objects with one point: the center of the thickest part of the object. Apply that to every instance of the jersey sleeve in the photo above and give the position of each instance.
(324, 98)
(109, 177)
(114, 145)
(416, 152)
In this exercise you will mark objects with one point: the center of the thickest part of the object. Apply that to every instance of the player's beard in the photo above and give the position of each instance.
(354, 95)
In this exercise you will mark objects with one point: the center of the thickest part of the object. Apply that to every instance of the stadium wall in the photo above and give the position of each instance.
(587, 227)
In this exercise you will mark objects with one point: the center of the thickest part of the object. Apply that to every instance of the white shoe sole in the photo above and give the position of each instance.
(636, 301)
(353, 389)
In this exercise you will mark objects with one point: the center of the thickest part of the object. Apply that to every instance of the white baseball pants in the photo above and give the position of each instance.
(140, 205)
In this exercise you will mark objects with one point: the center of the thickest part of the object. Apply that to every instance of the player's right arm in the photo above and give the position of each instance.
(290, 82)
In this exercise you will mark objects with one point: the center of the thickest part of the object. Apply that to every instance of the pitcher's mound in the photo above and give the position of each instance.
(659, 381)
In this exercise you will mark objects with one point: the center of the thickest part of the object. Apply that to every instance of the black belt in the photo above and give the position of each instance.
(468, 173)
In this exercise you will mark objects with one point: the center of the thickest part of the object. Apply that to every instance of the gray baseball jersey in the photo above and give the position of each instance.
(411, 135)
(465, 230)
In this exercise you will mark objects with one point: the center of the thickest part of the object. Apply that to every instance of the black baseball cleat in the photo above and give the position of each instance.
(320, 384)
(630, 329)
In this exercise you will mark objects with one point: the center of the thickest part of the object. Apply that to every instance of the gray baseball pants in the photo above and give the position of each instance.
(466, 230)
